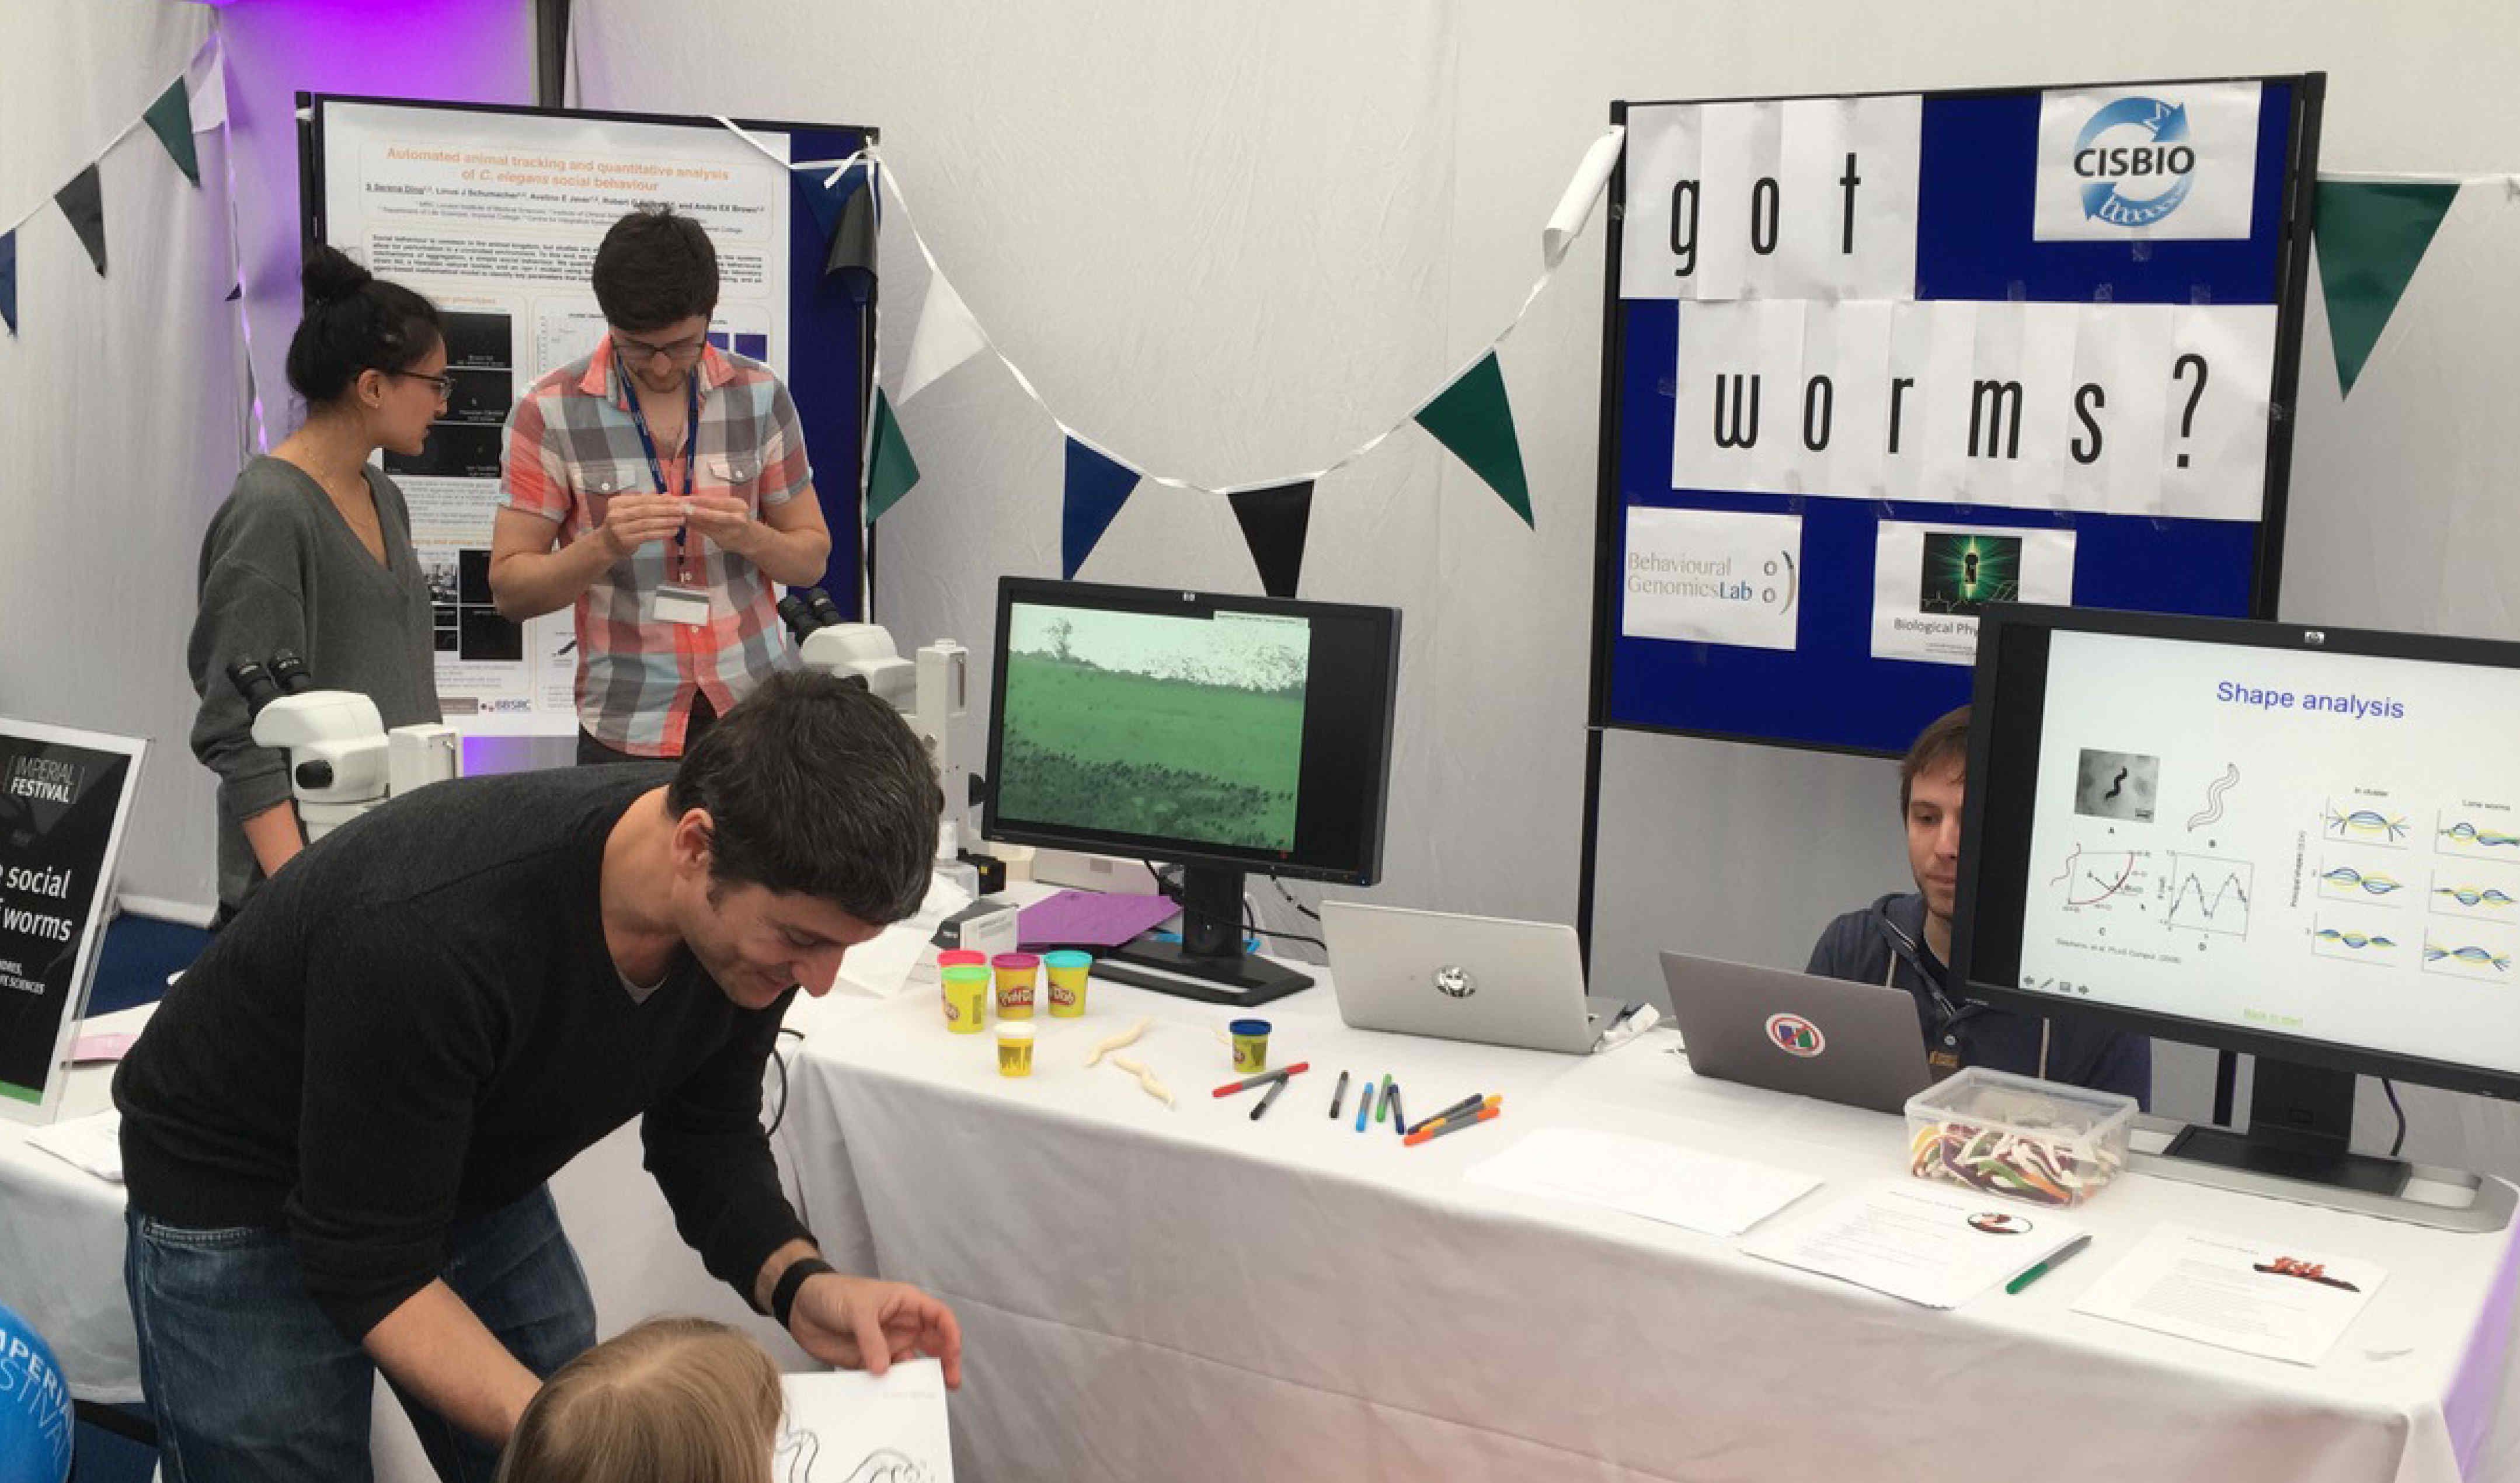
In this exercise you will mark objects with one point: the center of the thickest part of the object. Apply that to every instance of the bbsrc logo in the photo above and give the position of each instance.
(2135, 162)
(1795, 1036)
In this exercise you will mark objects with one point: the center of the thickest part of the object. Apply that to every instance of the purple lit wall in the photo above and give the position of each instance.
(462, 50)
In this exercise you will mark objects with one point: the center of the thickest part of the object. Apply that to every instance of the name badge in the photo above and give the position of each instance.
(687, 605)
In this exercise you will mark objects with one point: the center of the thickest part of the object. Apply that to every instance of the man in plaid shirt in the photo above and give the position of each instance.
(671, 477)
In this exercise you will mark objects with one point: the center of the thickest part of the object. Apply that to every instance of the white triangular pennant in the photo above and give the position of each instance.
(947, 336)
(206, 85)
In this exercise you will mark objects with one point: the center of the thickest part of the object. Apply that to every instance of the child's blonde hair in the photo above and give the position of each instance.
(671, 1401)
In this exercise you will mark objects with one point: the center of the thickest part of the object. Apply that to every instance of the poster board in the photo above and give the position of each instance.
(65, 799)
(494, 214)
(1871, 361)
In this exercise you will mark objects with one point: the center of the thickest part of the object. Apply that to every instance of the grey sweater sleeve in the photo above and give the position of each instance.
(251, 603)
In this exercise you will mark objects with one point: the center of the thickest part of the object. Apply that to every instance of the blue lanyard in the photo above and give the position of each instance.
(690, 442)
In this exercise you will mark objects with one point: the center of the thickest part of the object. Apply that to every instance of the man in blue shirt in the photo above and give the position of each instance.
(1904, 941)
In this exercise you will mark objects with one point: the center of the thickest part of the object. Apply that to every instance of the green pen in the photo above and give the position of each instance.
(2064, 1255)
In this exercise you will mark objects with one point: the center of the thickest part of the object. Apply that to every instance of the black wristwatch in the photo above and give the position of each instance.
(783, 1297)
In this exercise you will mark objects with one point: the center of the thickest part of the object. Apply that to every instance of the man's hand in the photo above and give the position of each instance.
(860, 1324)
(726, 521)
(631, 521)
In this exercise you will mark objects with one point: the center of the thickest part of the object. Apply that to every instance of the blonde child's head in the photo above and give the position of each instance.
(671, 1401)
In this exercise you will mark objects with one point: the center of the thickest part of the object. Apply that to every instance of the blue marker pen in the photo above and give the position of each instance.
(1365, 1108)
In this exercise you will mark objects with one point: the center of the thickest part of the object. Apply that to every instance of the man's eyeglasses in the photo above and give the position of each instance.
(681, 352)
(445, 385)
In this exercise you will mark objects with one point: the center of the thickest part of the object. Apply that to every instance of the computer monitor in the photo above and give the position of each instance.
(2300, 843)
(1225, 735)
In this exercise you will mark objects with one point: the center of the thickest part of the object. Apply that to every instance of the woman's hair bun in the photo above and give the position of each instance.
(330, 275)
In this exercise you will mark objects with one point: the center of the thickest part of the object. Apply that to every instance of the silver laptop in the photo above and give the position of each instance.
(1482, 979)
(1852, 1043)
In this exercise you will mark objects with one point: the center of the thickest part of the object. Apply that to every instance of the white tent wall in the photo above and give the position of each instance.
(1229, 242)
(120, 433)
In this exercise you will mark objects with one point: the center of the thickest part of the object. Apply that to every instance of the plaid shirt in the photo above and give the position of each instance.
(570, 445)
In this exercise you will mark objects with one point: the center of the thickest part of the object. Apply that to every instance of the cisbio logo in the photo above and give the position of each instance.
(1795, 1036)
(2135, 162)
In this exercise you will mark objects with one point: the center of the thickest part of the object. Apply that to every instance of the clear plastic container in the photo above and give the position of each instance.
(2028, 1139)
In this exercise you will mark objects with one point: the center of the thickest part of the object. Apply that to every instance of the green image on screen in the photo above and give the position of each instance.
(1169, 727)
(1964, 572)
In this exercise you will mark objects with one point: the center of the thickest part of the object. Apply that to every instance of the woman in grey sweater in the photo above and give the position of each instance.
(312, 553)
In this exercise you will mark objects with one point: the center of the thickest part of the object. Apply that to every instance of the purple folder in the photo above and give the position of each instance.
(1090, 919)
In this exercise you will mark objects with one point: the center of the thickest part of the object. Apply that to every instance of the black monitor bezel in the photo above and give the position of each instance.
(1384, 634)
(1986, 789)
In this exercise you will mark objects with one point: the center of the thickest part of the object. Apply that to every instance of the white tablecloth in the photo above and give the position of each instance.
(1153, 1294)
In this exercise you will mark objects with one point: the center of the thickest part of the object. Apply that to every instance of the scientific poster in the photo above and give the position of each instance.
(496, 218)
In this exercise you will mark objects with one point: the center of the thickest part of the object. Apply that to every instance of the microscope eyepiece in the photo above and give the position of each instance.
(290, 671)
(797, 615)
(255, 684)
(825, 612)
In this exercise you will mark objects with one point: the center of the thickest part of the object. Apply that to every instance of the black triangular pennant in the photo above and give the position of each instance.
(853, 237)
(82, 200)
(1272, 524)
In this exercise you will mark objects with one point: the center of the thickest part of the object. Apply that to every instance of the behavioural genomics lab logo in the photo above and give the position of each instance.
(1795, 1036)
(2135, 162)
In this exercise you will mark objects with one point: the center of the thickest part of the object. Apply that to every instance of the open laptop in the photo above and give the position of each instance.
(1482, 979)
(1852, 1043)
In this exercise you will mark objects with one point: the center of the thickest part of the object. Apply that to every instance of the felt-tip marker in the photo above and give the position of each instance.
(1486, 1114)
(1365, 1108)
(1338, 1096)
(1399, 1120)
(1470, 1104)
(1461, 1113)
(1248, 1082)
(1268, 1097)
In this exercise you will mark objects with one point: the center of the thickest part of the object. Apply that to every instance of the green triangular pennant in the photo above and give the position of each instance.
(890, 469)
(2371, 234)
(170, 119)
(1473, 419)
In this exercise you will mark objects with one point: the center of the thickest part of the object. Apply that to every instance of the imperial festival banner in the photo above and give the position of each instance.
(64, 796)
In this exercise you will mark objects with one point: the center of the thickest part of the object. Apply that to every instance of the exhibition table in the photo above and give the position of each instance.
(1157, 1294)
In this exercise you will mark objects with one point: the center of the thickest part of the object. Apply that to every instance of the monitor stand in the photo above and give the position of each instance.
(2300, 1119)
(1208, 963)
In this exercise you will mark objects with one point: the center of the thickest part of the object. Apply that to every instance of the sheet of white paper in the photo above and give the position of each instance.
(2278, 1302)
(1909, 1239)
(1713, 577)
(93, 1144)
(888, 965)
(1663, 147)
(2165, 161)
(1743, 146)
(1929, 583)
(846, 1426)
(2214, 434)
(1697, 1192)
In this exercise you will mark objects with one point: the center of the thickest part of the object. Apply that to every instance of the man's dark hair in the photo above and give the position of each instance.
(654, 269)
(1944, 743)
(815, 787)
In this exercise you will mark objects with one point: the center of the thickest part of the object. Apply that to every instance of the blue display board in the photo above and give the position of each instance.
(1874, 361)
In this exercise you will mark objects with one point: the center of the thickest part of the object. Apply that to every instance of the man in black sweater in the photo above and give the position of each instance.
(338, 1127)
(1904, 941)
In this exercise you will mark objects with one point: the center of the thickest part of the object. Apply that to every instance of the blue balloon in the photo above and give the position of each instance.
(35, 1421)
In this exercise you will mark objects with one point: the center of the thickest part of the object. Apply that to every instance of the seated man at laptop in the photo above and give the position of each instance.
(1904, 941)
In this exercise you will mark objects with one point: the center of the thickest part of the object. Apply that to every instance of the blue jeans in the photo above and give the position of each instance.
(247, 1379)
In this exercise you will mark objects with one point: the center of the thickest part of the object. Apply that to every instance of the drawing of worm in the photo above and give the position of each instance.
(2214, 793)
